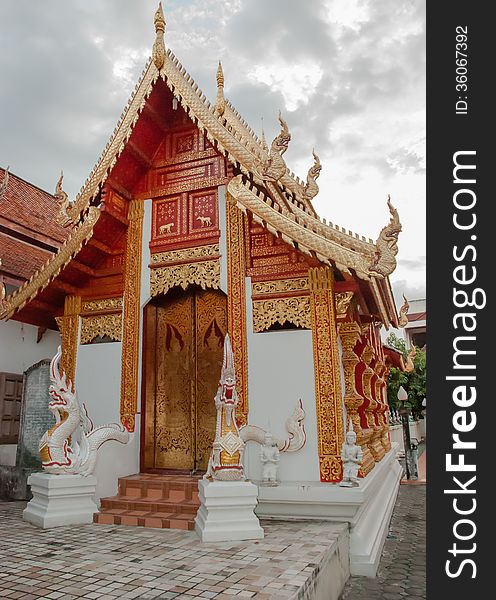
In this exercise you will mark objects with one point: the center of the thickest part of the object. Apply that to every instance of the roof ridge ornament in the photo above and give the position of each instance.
(5, 183)
(403, 320)
(263, 140)
(275, 167)
(311, 188)
(62, 198)
(384, 262)
(220, 102)
(158, 52)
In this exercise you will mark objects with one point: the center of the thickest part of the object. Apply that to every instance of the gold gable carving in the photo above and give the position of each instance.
(281, 310)
(183, 268)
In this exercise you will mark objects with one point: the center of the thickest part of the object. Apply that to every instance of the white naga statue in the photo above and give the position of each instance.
(351, 455)
(269, 457)
(60, 452)
(226, 459)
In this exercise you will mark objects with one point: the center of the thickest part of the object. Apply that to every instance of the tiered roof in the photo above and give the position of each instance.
(281, 202)
(29, 232)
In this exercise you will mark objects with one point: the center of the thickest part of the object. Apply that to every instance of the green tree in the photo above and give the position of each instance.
(414, 382)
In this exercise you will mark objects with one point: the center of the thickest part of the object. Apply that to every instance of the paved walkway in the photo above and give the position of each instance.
(402, 569)
(110, 562)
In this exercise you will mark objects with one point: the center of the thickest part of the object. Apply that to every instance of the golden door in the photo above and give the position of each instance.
(184, 340)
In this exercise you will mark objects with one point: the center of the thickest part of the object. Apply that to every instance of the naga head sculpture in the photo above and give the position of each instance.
(226, 394)
(61, 395)
(281, 141)
(316, 168)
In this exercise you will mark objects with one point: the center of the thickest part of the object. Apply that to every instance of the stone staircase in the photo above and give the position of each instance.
(151, 500)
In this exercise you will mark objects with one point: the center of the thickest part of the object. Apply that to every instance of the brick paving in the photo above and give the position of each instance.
(109, 561)
(401, 571)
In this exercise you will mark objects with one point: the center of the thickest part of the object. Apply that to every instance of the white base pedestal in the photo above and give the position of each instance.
(367, 508)
(60, 500)
(226, 511)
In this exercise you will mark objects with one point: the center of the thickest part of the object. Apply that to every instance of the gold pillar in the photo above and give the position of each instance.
(236, 303)
(373, 441)
(69, 331)
(350, 334)
(330, 426)
(131, 332)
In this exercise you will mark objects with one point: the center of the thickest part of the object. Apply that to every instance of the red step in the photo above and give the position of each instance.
(152, 500)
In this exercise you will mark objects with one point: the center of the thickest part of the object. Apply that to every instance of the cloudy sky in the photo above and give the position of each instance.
(349, 76)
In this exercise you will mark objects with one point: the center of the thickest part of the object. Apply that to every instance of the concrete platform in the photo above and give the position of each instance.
(297, 559)
(366, 508)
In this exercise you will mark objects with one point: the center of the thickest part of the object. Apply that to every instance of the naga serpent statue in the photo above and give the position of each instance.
(311, 187)
(225, 462)
(294, 426)
(275, 167)
(384, 262)
(60, 453)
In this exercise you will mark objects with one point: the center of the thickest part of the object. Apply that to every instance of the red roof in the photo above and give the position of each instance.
(20, 260)
(28, 207)
(29, 232)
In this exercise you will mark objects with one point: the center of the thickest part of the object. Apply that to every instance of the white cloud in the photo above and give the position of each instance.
(297, 83)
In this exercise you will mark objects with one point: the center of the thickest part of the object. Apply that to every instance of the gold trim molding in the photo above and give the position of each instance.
(330, 426)
(185, 254)
(105, 304)
(130, 336)
(236, 303)
(279, 286)
(69, 330)
(281, 310)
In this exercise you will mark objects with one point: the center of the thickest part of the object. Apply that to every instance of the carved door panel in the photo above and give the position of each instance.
(183, 359)
(174, 441)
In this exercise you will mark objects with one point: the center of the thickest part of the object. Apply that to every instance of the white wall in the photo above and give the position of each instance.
(18, 347)
(280, 372)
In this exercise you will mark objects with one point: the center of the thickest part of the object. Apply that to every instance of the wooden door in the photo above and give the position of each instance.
(10, 407)
(183, 358)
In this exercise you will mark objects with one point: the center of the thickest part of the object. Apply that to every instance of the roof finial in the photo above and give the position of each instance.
(158, 53)
(220, 102)
(5, 183)
(264, 141)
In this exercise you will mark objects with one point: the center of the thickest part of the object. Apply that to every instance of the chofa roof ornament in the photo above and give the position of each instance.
(158, 52)
(311, 188)
(403, 320)
(63, 217)
(384, 262)
(275, 167)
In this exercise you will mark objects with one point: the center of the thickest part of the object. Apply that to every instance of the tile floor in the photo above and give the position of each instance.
(109, 561)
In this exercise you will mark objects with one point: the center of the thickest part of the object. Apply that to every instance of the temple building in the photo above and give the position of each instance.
(188, 227)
